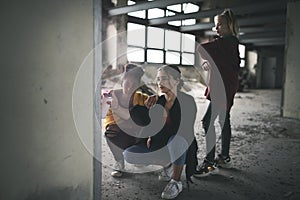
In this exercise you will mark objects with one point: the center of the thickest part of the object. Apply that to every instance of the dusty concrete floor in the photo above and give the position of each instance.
(265, 157)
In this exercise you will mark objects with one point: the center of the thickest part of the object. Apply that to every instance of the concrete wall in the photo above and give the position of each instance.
(43, 44)
(291, 98)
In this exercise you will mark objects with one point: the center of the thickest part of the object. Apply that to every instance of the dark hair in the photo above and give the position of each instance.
(174, 71)
(133, 71)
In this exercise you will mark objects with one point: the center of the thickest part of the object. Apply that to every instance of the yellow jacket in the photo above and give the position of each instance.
(138, 99)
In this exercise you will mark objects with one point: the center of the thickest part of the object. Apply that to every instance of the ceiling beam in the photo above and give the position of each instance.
(262, 40)
(196, 27)
(198, 15)
(263, 35)
(238, 10)
(137, 20)
(147, 5)
(261, 29)
(242, 22)
(275, 19)
(249, 30)
(274, 43)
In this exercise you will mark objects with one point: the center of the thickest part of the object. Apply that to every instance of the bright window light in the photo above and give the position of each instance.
(188, 59)
(172, 57)
(170, 13)
(242, 64)
(132, 26)
(139, 14)
(175, 23)
(135, 54)
(155, 56)
(189, 22)
(190, 8)
(155, 38)
(176, 7)
(172, 40)
(188, 43)
(130, 3)
(155, 13)
(242, 50)
(135, 34)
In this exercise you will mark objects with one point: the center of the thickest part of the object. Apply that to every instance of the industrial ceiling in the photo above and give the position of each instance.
(261, 22)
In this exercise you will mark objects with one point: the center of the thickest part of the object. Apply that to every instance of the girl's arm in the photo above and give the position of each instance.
(123, 113)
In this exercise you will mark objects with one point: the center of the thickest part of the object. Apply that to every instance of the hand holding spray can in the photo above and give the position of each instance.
(105, 103)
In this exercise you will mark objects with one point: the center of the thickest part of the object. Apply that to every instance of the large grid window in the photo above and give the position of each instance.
(156, 45)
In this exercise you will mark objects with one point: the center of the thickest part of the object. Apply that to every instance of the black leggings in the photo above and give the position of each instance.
(208, 125)
(118, 143)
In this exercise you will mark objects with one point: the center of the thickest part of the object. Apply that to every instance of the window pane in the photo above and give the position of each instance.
(155, 56)
(172, 40)
(139, 14)
(135, 34)
(175, 23)
(242, 64)
(172, 57)
(188, 59)
(155, 38)
(242, 50)
(130, 2)
(188, 43)
(190, 8)
(189, 22)
(155, 13)
(135, 54)
(170, 13)
(176, 7)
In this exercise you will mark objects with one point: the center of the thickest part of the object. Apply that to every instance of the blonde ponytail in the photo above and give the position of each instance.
(231, 20)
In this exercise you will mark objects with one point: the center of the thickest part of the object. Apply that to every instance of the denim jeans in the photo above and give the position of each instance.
(208, 124)
(175, 152)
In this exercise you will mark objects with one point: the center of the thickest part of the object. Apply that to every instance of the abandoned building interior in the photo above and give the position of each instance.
(59, 54)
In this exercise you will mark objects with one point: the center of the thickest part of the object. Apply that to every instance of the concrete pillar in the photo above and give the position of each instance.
(109, 34)
(114, 36)
(291, 98)
(43, 44)
(121, 26)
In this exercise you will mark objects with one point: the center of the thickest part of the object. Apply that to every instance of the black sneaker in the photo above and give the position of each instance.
(223, 161)
(205, 169)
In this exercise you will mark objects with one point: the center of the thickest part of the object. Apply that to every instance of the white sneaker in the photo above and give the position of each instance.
(117, 169)
(166, 173)
(172, 189)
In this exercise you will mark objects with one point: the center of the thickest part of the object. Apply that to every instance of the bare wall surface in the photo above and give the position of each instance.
(291, 103)
(43, 44)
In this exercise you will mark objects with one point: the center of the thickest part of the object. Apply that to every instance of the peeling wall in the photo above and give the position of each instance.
(43, 45)
(291, 98)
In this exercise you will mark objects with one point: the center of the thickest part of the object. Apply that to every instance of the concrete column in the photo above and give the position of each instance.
(114, 36)
(291, 98)
(121, 26)
(43, 44)
(109, 33)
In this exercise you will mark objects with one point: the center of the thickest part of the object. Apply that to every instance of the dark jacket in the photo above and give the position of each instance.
(225, 54)
(183, 115)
